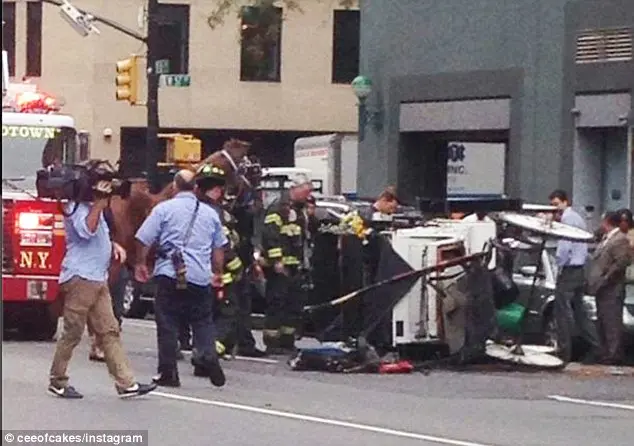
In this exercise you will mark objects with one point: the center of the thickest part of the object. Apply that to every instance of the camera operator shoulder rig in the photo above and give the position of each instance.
(77, 182)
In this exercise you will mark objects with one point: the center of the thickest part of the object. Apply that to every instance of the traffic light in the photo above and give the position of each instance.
(127, 80)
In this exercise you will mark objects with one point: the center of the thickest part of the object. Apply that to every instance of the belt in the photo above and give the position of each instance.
(572, 267)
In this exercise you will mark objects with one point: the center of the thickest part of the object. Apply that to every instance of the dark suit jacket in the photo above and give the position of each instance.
(606, 274)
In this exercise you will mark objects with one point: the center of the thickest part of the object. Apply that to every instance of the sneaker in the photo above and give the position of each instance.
(136, 389)
(216, 374)
(67, 392)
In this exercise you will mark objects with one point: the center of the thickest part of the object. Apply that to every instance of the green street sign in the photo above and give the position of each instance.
(162, 66)
(175, 80)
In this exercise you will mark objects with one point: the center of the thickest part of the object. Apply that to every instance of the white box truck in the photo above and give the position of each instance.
(331, 159)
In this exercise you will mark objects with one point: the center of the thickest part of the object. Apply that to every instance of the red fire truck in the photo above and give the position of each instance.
(33, 229)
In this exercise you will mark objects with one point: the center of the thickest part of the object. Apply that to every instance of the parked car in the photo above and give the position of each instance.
(541, 324)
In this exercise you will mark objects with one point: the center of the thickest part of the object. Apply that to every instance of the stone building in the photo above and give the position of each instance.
(298, 87)
(550, 80)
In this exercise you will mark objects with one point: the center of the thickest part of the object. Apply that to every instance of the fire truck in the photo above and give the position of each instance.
(32, 229)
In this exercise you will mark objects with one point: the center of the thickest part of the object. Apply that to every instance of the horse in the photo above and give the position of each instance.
(129, 212)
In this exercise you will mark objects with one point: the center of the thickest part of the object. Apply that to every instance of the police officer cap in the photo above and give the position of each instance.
(209, 175)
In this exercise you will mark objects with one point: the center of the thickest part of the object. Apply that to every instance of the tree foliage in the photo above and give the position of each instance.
(224, 8)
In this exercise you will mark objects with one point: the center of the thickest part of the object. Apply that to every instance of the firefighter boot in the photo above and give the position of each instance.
(200, 369)
(287, 339)
(167, 377)
(272, 342)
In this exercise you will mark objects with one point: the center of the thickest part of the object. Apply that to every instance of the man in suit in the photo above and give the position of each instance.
(606, 281)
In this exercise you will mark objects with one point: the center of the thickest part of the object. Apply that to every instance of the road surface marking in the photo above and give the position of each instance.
(565, 399)
(152, 325)
(319, 420)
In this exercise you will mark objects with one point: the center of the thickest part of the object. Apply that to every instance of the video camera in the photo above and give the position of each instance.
(76, 182)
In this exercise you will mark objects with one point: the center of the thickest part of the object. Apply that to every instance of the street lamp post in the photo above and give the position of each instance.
(362, 87)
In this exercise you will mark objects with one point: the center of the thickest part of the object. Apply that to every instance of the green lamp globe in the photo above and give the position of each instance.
(362, 87)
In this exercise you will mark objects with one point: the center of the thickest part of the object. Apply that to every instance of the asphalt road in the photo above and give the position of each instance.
(265, 404)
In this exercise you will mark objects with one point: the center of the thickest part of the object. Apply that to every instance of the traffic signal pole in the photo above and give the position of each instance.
(152, 101)
(152, 40)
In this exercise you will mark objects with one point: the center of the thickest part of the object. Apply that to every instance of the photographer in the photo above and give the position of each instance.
(84, 290)
(187, 235)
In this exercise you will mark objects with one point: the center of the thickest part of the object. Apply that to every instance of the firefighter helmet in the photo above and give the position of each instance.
(208, 176)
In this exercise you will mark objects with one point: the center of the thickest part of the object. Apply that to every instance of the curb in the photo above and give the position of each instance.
(598, 371)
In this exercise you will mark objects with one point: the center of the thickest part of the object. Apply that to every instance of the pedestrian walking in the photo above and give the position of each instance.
(84, 290)
(606, 281)
(188, 235)
(570, 288)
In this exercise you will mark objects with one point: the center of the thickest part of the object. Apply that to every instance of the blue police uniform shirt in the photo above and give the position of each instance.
(572, 253)
(88, 254)
(167, 225)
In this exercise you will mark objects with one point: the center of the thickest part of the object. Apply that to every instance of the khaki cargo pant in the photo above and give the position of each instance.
(89, 302)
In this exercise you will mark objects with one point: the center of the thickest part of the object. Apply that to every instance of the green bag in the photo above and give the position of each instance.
(509, 317)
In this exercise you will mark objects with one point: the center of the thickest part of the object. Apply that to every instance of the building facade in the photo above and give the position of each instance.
(552, 80)
(294, 84)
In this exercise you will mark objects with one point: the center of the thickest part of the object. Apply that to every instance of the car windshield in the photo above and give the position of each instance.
(26, 148)
(532, 258)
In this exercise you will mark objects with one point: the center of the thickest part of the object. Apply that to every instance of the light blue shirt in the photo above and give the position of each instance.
(572, 253)
(167, 225)
(88, 253)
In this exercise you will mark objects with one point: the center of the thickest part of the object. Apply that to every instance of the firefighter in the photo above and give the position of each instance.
(283, 236)
(226, 312)
(377, 218)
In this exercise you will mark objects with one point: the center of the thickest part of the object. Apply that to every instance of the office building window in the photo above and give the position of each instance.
(345, 46)
(261, 44)
(8, 33)
(34, 39)
(173, 35)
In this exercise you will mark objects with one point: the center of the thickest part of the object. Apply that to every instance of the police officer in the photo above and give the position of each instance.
(283, 236)
(190, 245)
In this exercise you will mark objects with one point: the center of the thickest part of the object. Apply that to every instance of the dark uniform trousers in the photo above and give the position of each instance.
(243, 297)
(226, 310)
(173, 307)
(285, 303)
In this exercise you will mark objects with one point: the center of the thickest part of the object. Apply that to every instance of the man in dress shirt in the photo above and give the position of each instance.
(569, 308)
